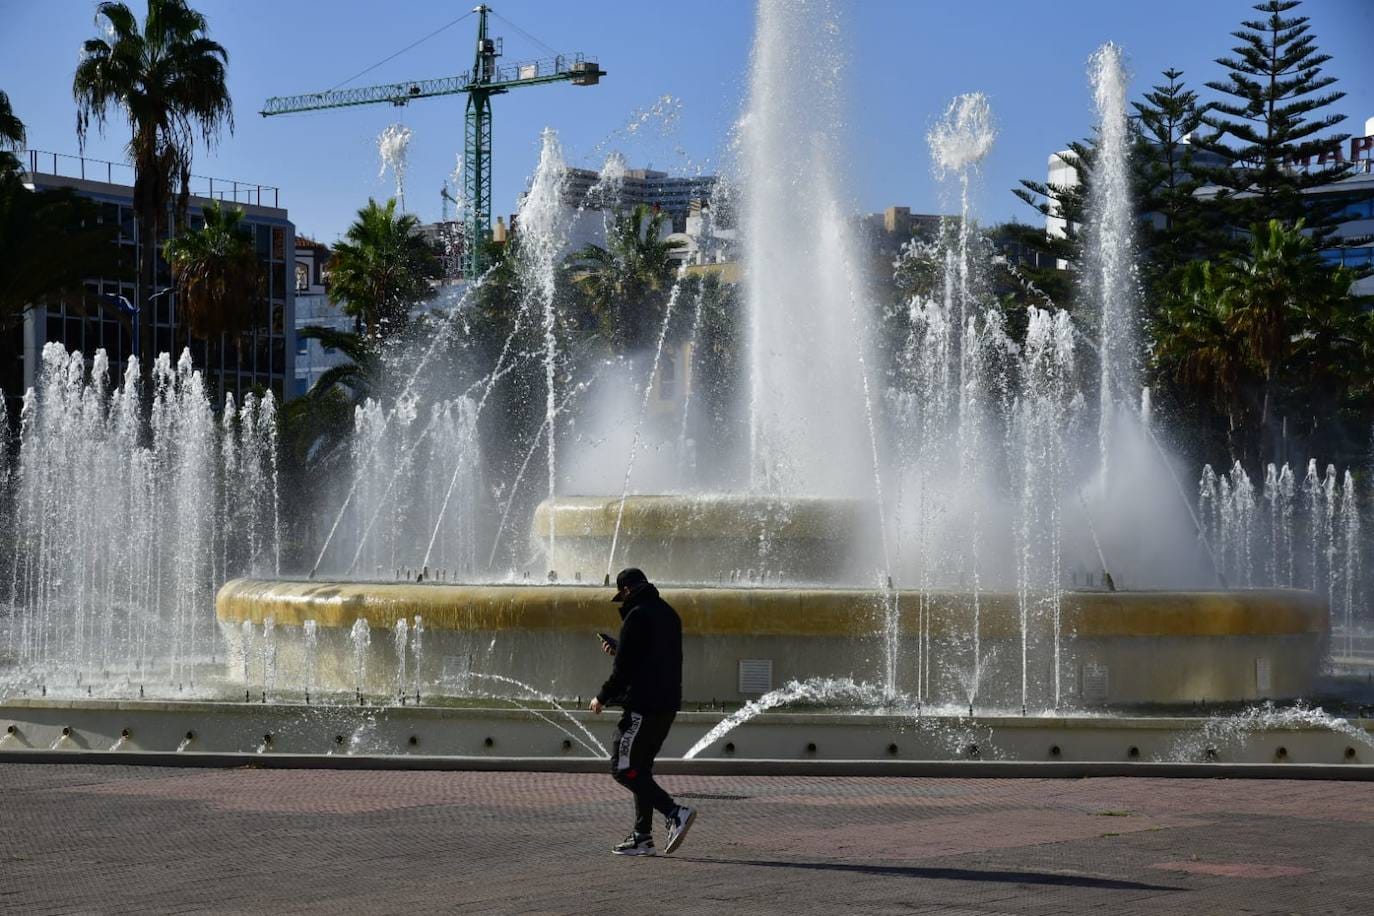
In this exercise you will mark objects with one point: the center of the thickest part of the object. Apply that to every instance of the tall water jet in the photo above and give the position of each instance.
(1040, 421)
(542, 232)
(1111, 242)
(959, 141)
(807, 429)
(400, 638)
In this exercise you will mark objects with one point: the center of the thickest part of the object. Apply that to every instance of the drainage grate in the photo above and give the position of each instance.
(712, 797)
(755, 675)
(1094, 681)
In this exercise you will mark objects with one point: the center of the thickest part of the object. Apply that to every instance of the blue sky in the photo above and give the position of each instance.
(909, 57)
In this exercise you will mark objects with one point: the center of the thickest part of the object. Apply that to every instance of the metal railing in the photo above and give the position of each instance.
(66, 165)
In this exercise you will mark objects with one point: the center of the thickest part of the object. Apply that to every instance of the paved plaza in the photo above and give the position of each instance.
(117, 839)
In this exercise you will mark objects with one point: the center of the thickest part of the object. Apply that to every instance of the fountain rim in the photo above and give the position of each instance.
(704, 516)
(720, 610)
(783, 716)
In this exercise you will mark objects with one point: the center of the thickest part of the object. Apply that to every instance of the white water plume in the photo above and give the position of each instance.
(1110, 275)
(393, 146)
(124, 522)
(807, 430)
(1289, 535)
(590, 743)
(1232, 732)
(828, 691)
(964, 136)
(543, 229)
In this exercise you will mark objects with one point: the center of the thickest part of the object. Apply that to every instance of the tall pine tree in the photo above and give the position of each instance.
(1165, 176)
(1065, 201)
(1271, 126)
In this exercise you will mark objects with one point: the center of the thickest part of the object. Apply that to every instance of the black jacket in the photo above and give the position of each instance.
(647, 675)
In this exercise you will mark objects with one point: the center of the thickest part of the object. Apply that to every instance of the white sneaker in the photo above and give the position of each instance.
(678, 825)
(635, 845)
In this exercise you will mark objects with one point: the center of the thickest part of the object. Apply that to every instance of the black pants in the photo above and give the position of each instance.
(638, 739)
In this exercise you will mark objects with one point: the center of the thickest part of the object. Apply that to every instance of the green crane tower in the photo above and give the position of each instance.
(485, 81)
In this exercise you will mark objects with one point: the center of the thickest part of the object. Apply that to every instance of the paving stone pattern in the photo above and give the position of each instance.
(104, 839)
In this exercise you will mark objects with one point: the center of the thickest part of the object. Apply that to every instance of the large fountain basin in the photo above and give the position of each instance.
(1115, 647)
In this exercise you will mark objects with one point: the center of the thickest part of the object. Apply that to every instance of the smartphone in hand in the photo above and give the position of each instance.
(608, 643)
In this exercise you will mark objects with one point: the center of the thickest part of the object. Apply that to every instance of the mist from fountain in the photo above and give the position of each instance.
(643, 412)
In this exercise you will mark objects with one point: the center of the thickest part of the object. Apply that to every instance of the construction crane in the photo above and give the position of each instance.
(484, 81)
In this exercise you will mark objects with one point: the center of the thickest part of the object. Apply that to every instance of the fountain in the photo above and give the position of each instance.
(978, 554)
(1006, 596)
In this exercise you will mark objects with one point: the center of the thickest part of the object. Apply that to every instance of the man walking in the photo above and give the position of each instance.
(646, 680)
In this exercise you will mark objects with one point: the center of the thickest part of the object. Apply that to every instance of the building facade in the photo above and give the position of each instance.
(1352, 198)
(673, 195)
(313, 308)
(261, 360)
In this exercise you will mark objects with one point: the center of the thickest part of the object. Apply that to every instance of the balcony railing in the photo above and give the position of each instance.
(65, 165)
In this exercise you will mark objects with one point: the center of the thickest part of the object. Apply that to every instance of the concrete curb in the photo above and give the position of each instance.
(963, 769)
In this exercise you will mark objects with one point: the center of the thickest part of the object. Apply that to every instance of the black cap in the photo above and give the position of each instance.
(626, 580)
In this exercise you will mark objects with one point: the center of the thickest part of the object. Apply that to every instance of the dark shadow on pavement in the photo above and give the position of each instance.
(947, 874)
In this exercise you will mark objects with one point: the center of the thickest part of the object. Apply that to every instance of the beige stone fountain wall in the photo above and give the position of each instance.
(1119, 647)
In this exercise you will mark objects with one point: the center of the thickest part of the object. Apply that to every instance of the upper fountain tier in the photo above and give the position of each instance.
(714, 538)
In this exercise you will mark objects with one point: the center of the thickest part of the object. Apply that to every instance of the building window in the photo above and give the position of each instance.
(1359, 258)
(302, 277)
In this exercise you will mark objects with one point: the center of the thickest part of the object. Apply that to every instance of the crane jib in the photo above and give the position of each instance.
(484, 80)
(574, 68)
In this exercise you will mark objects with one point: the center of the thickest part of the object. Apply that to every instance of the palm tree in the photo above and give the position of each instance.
(1195, 346)
(1271, 325)
(356, 380)
(383, 269)
(168, 82)
(216, 274)
(1267, 288)
(11, 128)
(626, 281)
(315, 425)
(12, 136)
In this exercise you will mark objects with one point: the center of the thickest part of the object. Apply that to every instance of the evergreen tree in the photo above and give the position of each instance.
(1271, 127)
(1068, 202)
(1166, 183)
